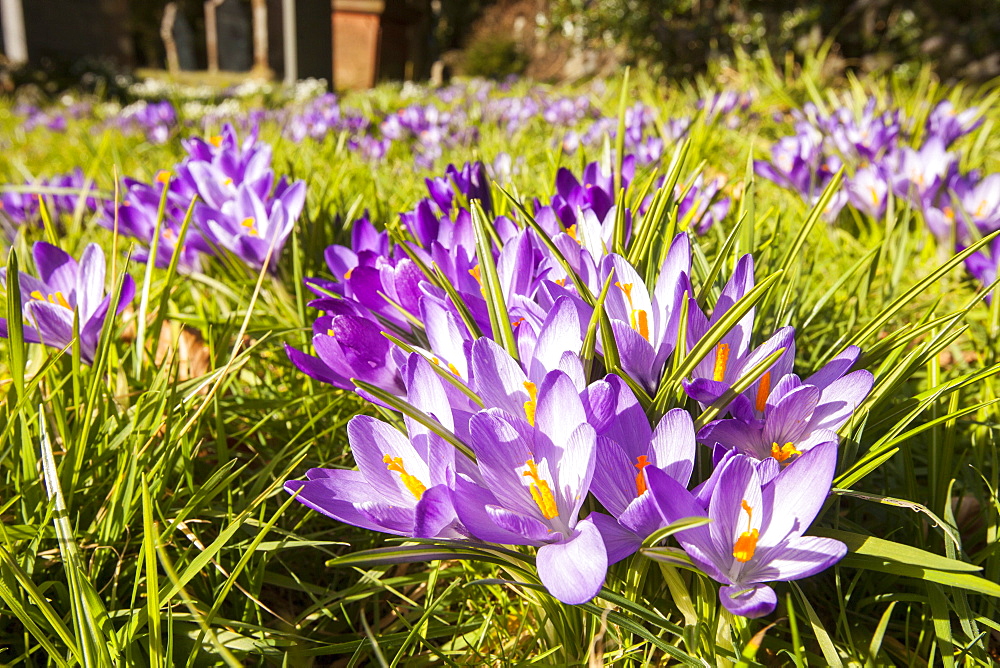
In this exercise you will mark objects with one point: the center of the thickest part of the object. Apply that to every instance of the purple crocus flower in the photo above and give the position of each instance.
(644, 325)
(402, 485)
(758, 518)
(64, 290)
(240, 207)
(536, 468)
(626, 447)
(395, 489)
(981, 203)
(948, 124)
(794, 416)
(137, 216)
(868, 190)
(984, 263)
(21, 207)
(349, 344)
(700, 205)
(919, 174)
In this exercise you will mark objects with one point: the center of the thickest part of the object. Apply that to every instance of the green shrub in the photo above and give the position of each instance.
(495, 57)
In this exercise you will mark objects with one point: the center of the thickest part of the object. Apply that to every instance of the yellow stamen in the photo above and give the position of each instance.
(57, 298)
(530, 404)
(540, 491)
(641, 462)
(60, 300)
(416, 487)
(561, 281)
(163, 176)
(949, 213)
(227, 182)
(746, 544)
(216, 141)
(874, 194)
(251, 226)
(477, 275)
(763, 391)
(347, 274)
(784, 452)
(721, 360)
(571, 231)
(454, 369)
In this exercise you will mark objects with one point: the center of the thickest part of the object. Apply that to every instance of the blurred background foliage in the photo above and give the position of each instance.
(960, 40)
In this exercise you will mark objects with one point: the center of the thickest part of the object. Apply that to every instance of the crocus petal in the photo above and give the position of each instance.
(57, 269)
(613, 482)
(799, 558)
(574, 570)
(499, 381)
(561, 332)
(532, 529)
(371, 441)
(53, 322)
(503, 445)
(642, 515)
(789, 419)
(835, 368)
(335, 494)
(840, 399)
(90, 289)
(673, 445)
(738, 486)
(574, 471)
(559, 409)
(315, 368)
(395, 519)
(470, 501)
(434, 514)
(798, 493)
(637, 355)
(618, 541)
(753, 600)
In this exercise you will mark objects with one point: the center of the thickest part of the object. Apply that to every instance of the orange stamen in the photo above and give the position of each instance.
(784, 452)
(638, 318)
(746, 544)
(641, 462)
(763, 391)
(721, 360)
(216, 141)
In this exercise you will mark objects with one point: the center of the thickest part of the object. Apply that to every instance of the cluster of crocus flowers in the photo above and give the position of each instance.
(523, 424)
(67, 300)
(886, 154)
(61, 194)
(238, 204)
